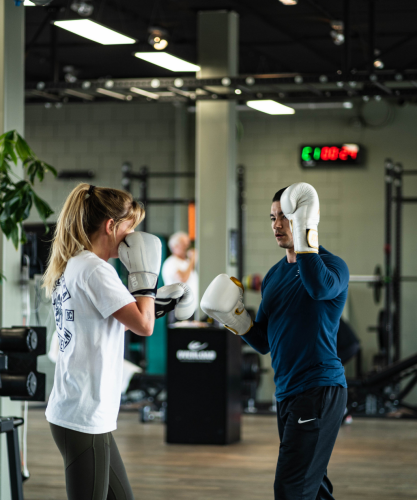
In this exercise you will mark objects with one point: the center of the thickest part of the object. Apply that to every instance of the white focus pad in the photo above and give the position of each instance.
(141, 254)
(223, 301)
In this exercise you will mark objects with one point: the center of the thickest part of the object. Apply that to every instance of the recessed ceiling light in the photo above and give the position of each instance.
(289, 2)
(270, 107)
(167, 61)
(28, 3)
(158, 38)
(95, 32)
(83, 8)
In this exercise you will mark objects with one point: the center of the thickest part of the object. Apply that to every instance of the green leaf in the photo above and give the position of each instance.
(7, 227)
(15, 236)
(26, 213)
(50, 168)
(10, 195)
(23, 149)
(40, 173)
(2, 277)
(31, 171)
(22, 211)
(44, 210)
(10, 136)
(11, 153)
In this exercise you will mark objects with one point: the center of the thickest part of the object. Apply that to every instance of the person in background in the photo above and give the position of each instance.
(180, 266)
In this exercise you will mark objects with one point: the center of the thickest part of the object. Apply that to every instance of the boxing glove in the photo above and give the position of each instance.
(300, 205)
(178, 298)
(141, 254)
(223, 301)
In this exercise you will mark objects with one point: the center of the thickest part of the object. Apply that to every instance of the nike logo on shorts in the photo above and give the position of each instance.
(304, 421)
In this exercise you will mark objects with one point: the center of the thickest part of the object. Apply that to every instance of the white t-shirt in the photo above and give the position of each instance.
(88, 372)
(170, 269)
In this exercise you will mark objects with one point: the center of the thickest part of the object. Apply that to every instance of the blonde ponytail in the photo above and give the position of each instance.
(80, 217)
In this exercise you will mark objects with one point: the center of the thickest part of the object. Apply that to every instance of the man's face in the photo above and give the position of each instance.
(181, 247)
(281, 226)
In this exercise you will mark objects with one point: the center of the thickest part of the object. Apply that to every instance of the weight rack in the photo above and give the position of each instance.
(394, 174)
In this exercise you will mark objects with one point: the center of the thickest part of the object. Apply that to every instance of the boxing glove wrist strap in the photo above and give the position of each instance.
(142, 284)
(305, 240)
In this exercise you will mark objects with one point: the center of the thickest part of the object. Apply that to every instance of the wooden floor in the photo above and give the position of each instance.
(373, 460)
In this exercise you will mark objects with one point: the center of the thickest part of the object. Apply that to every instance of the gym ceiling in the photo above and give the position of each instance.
(292, 52)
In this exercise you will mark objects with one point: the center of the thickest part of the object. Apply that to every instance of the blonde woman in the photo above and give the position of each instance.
(91, 305)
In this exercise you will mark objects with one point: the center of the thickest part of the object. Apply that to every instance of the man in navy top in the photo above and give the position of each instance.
(303, 296)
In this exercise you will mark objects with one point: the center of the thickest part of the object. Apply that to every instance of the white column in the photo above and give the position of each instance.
(182, 184)
(12, 46)
(216, 148)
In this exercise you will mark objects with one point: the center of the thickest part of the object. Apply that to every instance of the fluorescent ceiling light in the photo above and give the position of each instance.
(270, 107)
(167, 61)
(94, 31)
(116, 95)
(144, 93)
(28, 3)
(289, 2)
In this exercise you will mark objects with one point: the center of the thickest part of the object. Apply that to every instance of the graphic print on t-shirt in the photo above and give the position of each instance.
(57, 304)
(60, 295)
(69, 315)
(65, 293)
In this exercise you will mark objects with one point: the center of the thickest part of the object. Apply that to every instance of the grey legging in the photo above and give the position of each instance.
(94, 469)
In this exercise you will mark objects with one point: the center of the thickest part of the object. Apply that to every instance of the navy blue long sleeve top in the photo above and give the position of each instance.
(298, 320)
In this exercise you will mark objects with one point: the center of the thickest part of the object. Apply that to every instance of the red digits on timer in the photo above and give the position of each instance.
(334, 153)
(329, 153)
(345, 152)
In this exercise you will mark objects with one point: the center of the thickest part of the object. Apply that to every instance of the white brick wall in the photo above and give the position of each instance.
(100, 137)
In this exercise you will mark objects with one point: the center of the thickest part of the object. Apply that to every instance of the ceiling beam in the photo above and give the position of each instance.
(321, 9)
(408, 38)
(280, 29)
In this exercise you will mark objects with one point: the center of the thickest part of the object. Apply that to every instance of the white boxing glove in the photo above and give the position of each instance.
(300, 205)
(141, 254)
(223, 301)
(178, 298)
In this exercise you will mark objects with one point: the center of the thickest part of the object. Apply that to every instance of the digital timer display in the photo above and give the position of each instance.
(329, 156)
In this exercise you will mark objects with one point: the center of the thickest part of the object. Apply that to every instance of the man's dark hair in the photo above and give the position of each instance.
(278, 194)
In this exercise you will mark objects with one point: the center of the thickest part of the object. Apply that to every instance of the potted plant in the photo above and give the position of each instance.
(17, 196)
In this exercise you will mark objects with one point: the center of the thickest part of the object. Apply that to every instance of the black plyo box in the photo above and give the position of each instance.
(204, 386)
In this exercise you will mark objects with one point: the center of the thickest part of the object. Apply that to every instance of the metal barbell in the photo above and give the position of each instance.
(377, 281)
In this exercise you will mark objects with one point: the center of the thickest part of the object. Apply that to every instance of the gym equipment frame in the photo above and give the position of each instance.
(379, 393)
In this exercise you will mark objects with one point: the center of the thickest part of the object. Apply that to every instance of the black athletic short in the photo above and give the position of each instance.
(94, 469)
(308, 424)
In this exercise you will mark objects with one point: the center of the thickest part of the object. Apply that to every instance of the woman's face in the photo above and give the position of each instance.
(122, 231)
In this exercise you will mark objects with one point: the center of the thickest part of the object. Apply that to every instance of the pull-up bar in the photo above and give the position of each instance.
(143, 177)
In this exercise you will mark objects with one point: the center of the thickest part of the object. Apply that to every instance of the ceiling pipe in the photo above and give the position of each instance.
(347, 44)
(371, 35)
